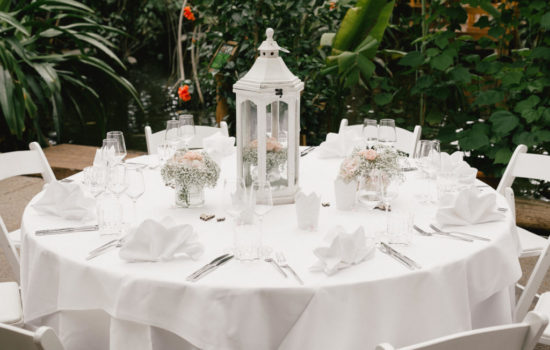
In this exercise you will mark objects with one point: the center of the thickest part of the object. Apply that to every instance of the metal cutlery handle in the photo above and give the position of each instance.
(212, 268)
(390, 254)
(66, 230)
(403, 257)
(435, 228)
(212, 263)
(276, 266)
(294, 274)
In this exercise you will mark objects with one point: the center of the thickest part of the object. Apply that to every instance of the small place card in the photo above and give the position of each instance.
(325, 204)
(206, 217)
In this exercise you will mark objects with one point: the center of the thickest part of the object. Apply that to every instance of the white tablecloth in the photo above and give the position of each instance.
(107, 303)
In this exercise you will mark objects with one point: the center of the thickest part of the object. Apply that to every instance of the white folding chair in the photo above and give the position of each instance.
(515, 336)
(11, 311)
(21, 163)
(406, 140)
(9, 249)
(532, 166)
(43, 338)
(155, 139)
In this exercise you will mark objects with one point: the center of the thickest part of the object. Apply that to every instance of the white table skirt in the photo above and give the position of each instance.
(249, 305)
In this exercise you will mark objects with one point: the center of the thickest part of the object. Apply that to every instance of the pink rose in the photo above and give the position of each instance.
(190, 155)
(369, 154)
(273, 145)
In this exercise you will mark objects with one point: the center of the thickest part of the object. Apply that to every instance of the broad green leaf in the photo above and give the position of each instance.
(366, 66)
(424, 82)
(473, 139)
(503, 122)
(367, 45)
(502, 156)
(532, 115)
(489, 97)
(545, 21)
(541, 136)
(441, 41)
(541, 52)
(346, 61)
(528, 103)
(511, 78)
(432, 51)
(100, 46)
(6, 93)
(412, 59)
(461, 74)
(352, 77)
(4, 17)
(441, 62)
(383, 99)
(327, 39)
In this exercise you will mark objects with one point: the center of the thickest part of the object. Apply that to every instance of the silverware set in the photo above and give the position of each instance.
(276, 266)
(211, 266)
(468, 235)
(115, 243)
(447, 235)
(56, 231)
(307, 150)
(281, 261)
(403, 259)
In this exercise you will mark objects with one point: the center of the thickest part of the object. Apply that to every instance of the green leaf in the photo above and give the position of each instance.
(346, 61)
(327, 39)
(541, 52)
(475, 138)
(489, 97)
(541, 136)
(441, 62)
(528, 103)
(352, 78)
(412, 59)
(532, 115)
(461, 74)
(432, 51)
(366, 66)
(441, 42)
(503, 122)
(511, 78)
(502, 156)
(545, 21)
(383, 99)
(100, 46)
(4, 17)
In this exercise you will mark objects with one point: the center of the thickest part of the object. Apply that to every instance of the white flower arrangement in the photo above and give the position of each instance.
(275, 153)
(188, 169)
(362, 162)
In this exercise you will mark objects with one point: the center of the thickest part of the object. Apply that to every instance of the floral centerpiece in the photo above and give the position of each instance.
(362, 162)
(276, 155)
(189, 172)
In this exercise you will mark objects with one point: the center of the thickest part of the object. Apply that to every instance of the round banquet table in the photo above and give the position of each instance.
(108, 303)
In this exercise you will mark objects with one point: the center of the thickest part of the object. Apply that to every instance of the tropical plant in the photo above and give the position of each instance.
(51, 53)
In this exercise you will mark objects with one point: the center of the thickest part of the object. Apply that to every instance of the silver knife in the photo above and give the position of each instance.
(306, 151)
(425, 233)
(115, 243)
(212, 268)
(460, 233)
(403, 257)
(55, 231)
(212, 263)
(389, 253)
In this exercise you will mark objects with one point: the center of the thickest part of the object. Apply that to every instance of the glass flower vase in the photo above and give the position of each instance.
(190, 196)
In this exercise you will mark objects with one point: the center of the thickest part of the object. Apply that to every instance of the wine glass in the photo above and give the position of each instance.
(386, 132)
(370, 132)
(234, 196)
(120, 149)
(95, 179)
(388, 189)
(108, 152)
(187, 127)
(428, 157)
(116, 180)
(173, 134)
(261, 198)
(135, 184)
(164, 152)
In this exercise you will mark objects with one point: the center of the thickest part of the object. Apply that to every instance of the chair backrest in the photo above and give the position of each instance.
(26, 162)
(406, 140)
(515, 336)
(9, 250)
(526, 165)
(44, 338)
(155, 139)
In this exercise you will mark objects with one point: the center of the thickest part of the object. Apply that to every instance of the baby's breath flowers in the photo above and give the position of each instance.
(275, 153)
(362, 162)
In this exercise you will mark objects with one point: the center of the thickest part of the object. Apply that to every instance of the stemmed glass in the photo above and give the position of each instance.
(370, 132)
(428, 157)
(135, 184)
(386, 132)
(96, 179)
(388, 189)
(108, 152)
(120, 148)
(235, 200)
(173, 134)
(116, 181)
(187, 127)
(261, 198)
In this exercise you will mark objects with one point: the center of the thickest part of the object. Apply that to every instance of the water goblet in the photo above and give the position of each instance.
(235, 199)
(108, 152)
(120, 148)
(386, 132)
(95, 179)
(172, 136)
(370, 132)
(116, 180)
(135, 184)
(187, 127)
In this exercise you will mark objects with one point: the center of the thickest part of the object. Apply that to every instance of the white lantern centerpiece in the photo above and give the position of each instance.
(268, 123)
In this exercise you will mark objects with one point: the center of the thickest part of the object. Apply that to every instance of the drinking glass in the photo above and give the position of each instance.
(135, 184)
(173, 134)
(388, 188)
(386, 132)
(368, 194)
(187, 127)
(428, 157)
(108, 152)
(164, 151)
(95, 179)
(235, 199)
(370, 132)
(261, 202)
(120, 149)
(116, 180)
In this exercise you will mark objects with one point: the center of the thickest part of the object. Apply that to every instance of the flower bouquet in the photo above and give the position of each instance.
(362, 162)
(276, 155)
(189, 172)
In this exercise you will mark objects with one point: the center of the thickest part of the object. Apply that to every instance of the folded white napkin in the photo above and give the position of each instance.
(466, 207)
(454, 163)
(339, 145)
(219, 145)
(307, 210)
(157, 241)
(66, 200)
(104, 156)
(346, 249)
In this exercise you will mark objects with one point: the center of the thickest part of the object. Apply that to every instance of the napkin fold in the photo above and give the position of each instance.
(454, 164)
(157, 241)
(66, 200)
(339, 145)
(219, 145)
(307, 210)
(345, 250)
(466, 207)
(104, 156)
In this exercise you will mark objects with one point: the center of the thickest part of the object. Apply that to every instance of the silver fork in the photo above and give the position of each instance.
(281, 260)
(116, 243)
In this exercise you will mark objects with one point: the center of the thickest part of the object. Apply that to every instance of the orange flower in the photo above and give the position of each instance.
(332, 5)
(183, 93)
(188, 14)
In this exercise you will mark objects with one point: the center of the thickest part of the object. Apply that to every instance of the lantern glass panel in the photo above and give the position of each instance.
(249, 125)
(277, 144)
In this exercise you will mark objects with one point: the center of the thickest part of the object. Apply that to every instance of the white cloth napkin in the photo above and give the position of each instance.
(219, 145)
(307, 210)
(345, 250)
(466, 207)
(66, 200)
(339, 145)
(454, 163)
(104, 156)
(157, 241)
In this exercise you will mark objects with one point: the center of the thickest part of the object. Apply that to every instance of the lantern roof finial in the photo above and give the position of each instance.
(269, 44)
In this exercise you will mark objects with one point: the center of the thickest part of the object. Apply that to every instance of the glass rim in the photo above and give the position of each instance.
(115, 132)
